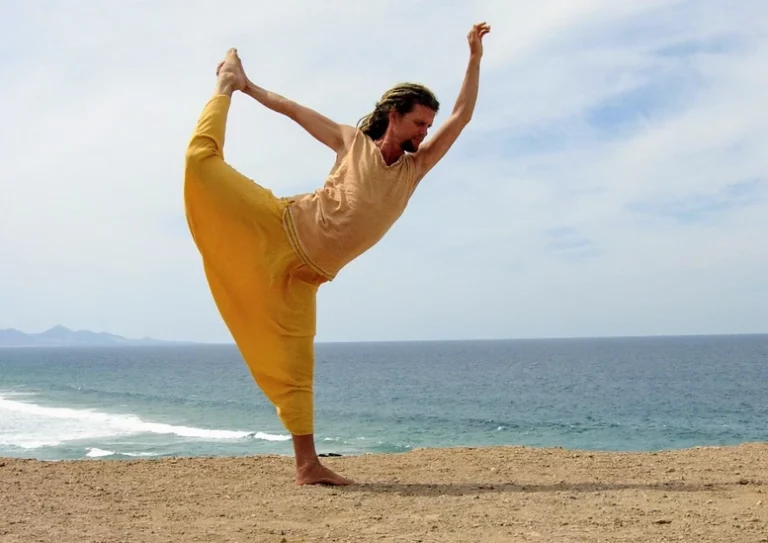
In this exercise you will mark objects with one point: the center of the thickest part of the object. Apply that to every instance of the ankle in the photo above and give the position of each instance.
(225, 89)
(226, 83)
(307, 463)
(304, 451)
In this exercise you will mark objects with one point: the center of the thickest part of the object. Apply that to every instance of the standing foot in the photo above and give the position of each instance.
(309, 470)
(317, 474)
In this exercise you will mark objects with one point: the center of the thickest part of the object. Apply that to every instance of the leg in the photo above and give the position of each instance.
(205, 152)
(309, 470)
(206, 175)
(275, 336)
(227, 212)
(298, 322)
(255, 277)
(276, 339)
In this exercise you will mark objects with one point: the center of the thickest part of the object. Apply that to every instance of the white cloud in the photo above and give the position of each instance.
(101, 100)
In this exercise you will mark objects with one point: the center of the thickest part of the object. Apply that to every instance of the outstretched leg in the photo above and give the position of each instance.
(254, 275)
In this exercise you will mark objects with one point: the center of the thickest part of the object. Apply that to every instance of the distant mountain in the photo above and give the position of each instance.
(60, 336)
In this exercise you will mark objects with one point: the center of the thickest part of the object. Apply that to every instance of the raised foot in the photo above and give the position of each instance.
(230, 73)
(318, 474)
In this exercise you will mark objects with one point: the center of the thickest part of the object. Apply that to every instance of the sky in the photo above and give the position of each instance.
(613, 180)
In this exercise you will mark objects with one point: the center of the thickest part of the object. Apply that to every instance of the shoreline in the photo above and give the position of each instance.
(489, 493)
(117, 456)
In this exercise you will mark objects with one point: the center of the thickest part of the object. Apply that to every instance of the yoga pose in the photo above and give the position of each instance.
(265, 257)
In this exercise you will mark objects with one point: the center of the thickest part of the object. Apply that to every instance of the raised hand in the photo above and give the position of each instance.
(475, 38)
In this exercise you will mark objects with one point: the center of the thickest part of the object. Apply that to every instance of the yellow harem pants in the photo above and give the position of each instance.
(263, 290)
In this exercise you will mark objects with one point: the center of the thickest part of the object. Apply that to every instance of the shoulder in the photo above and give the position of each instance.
(349, 134)
(420, 159)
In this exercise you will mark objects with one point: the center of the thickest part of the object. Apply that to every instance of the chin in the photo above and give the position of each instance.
(410, 146)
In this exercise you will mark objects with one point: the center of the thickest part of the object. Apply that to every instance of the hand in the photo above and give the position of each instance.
(230, 74)
(233, 70)
(475, 38)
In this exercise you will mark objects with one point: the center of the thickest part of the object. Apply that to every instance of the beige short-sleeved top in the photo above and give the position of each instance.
(359, 202)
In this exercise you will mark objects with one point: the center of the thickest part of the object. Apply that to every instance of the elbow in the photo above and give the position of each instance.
(290, 109)
(462, 116)
(462, 112)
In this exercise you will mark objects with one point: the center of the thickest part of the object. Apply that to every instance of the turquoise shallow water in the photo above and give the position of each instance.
(612, 394)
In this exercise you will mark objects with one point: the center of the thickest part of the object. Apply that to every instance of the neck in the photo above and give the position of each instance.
(390, 150)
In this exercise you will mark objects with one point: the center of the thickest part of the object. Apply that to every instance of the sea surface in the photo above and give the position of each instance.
(627, 394)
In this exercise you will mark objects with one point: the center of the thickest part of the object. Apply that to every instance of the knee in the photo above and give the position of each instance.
(199, 153)
(193, 159)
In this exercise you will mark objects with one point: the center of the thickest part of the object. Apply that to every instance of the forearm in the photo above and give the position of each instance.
(465, 102)
(318, 126)
(271, 100)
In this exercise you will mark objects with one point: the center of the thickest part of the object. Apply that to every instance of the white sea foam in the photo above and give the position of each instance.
(95, 452)
(269, 437)
(31, 426)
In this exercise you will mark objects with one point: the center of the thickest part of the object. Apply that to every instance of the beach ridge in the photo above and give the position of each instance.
(495, 493)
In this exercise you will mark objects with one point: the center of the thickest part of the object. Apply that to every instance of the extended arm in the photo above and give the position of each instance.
(436, 147)
(334, 135)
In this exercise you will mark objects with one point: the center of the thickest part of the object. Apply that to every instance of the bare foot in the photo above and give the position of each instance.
(318, 474)
(230, 73)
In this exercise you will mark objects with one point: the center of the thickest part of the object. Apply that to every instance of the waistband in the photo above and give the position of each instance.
(290, 231)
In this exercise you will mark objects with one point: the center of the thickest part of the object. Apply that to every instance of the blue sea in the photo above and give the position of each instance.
(626, 394)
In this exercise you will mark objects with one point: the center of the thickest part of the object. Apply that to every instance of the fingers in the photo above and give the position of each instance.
(477, 35)
(481, 29)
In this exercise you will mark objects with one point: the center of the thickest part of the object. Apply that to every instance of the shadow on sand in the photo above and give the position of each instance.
(458, 489)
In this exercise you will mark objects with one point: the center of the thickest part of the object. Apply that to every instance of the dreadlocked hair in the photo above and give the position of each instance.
(400, 98)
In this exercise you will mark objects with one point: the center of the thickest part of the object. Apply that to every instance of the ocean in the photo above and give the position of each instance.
(622, 394)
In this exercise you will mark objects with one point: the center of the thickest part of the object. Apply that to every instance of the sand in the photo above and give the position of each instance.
(467, 494)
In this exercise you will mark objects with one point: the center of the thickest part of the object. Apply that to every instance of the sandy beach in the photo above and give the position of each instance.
(464, 494)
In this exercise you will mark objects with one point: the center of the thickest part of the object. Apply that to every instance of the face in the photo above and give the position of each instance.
(411, 129)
